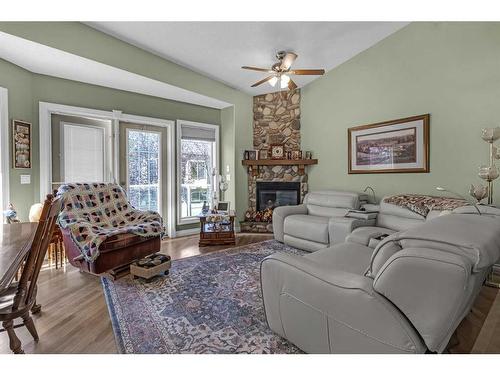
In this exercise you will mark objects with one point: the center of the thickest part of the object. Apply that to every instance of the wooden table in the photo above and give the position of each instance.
(15, 242)
(223, 234)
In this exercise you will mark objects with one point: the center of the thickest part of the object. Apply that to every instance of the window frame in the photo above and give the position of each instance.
(106, 147)
(160, 163)
(47, 109)
(215, 164)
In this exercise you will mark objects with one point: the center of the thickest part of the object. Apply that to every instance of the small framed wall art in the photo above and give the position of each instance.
(396, 146)
(250, 155)
(277, 151)
(296, 154)
(21, 144)
(263, 154)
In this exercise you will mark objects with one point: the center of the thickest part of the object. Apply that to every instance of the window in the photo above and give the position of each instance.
(197, 169)
(199, 196)
(197, 159)
(83, 161)
(143, 167)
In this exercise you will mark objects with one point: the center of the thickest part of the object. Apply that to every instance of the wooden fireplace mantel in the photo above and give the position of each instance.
(253, 165)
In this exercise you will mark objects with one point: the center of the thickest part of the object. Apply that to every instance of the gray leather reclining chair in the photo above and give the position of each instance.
(406, 296)
(319, 222)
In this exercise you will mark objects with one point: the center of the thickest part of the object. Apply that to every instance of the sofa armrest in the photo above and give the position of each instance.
(365, 235)
(279, 216)
(322, 272)
(325, 310)
(340, 227)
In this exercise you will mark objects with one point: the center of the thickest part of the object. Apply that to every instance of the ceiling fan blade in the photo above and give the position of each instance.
(256, 69)
(262, 81)
(307, 72)
(291, 85)
(288, 60)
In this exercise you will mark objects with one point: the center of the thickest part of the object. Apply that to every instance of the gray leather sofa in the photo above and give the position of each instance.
(407, 295)
(392, 218)
(319, 222)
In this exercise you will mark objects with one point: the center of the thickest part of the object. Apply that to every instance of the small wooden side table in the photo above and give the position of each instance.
(221, 233)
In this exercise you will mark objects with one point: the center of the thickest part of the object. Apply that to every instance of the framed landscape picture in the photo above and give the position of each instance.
(397, 146)
(21, 145)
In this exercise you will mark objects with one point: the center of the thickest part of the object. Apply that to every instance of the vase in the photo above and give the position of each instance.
(490, 135)
(478, 192)
(488, 173)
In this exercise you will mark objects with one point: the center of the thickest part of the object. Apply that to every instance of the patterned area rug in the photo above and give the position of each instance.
(209, 304)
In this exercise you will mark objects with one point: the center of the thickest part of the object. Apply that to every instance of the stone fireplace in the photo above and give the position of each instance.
(276, 121)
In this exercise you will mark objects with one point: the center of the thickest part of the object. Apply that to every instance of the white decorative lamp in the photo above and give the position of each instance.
(489, 173)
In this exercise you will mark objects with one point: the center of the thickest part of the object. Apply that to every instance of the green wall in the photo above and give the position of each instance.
(84, 41)
(450, 70)
(26, 90)
(19, 82)
(228, 157)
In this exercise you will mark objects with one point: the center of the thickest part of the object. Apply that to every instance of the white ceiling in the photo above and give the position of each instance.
(41, 59)
(219, 49)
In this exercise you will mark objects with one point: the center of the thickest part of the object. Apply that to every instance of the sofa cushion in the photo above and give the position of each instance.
(347, 257)
(302, 244)
(307, 227)
(474, 237)
(331, 203)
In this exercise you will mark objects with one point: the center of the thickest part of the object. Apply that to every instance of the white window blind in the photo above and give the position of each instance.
(197, 133)
(83, 153)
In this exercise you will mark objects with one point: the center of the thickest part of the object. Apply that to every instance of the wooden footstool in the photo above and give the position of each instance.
(151, 266)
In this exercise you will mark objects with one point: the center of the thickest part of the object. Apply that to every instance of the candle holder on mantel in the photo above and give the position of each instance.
(489, 173)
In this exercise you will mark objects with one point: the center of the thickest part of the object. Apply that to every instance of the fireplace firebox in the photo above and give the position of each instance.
(275, 194)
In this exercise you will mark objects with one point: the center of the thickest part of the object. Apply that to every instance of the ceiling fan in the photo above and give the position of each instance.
(280, 72)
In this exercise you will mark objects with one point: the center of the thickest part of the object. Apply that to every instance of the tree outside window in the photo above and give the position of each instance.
(143, 169)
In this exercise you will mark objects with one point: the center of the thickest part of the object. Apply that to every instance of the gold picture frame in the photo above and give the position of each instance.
(21, 144)
(396, 146)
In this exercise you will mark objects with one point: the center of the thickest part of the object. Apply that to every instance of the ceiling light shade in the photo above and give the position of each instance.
(284, 81)
(273, 81)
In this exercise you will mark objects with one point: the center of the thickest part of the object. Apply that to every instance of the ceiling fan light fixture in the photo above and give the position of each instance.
(280, 72)
(284, 81)
(273, 81)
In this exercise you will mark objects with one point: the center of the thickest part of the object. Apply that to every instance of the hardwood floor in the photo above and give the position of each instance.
(472, 327)
(75, 317)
